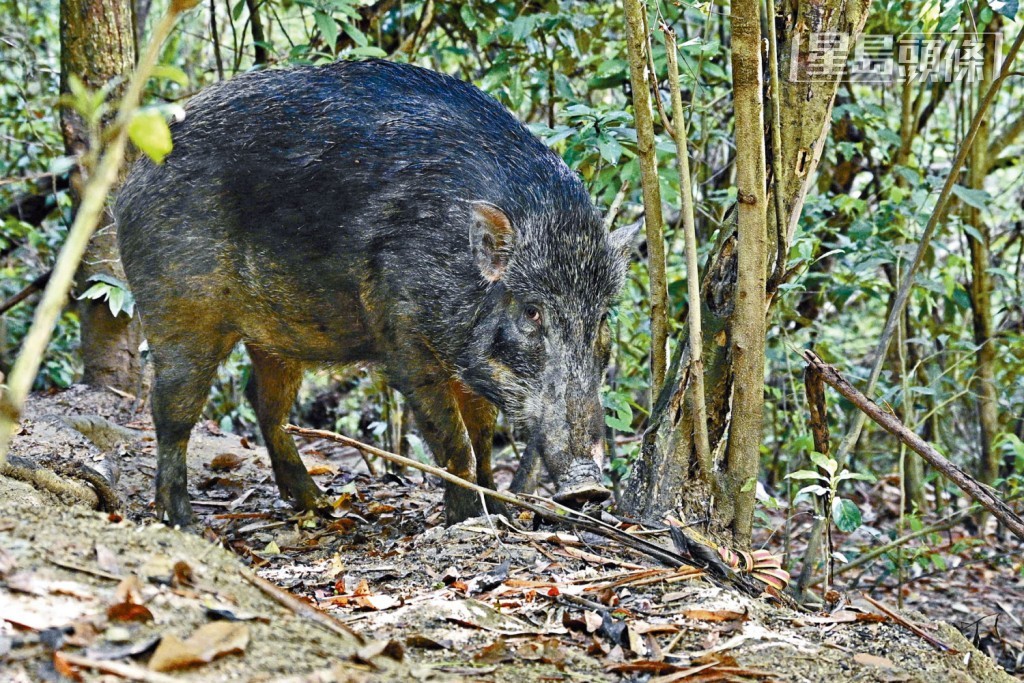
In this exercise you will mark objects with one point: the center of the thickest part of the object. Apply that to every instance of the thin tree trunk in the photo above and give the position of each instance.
(980, 241)
(97, 45)
(752, 249)
(259, 39)
(662, 479)
(698, 405)
(637, 45)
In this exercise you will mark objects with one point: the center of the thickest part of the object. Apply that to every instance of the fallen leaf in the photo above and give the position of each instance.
(387, 648)
(107, 560)
(377, 602)
(717, 615)
(481, 615)
(427, 643)
(495, 653)
(226, 461)
(317, 470)
(64, 668)
(129, 611)
(873, 660)
(209, 642)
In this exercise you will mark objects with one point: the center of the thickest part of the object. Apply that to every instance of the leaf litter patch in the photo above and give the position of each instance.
(83, 595)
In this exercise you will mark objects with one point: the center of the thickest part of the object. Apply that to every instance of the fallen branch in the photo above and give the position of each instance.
(948, 523)
(130, 672)
(302, 609)
(910, 626)
(550, 511)
(982, 494)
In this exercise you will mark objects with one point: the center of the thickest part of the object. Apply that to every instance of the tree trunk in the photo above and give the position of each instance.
(637, 44)
(747, 325)
(980, 241)
(666, 477)
(97, 45)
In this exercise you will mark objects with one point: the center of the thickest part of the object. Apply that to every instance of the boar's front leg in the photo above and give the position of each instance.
(436, 411)
(480, 415)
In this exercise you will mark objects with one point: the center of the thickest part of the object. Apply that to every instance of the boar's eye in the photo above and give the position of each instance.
(533, 314)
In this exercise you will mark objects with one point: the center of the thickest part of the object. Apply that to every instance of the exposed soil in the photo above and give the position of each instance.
(486, 600)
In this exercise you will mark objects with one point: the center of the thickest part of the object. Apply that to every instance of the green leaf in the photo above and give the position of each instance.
(170, 73)
(468, 15)
(846, 515)
(611, 150)
(368, 51)
(805, 474)
(356, 35)
(979, 199)
(149, 131)
(824, 462)
(1008, 8)
(328, 28)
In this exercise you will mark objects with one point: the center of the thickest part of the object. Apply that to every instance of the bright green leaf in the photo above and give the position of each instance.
(150, 133)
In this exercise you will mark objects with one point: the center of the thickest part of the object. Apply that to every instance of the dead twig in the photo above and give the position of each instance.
(131, 672)
(980, 493)
(31, 288)
(71, 566)
(550, 512)
(911, 626)
(302, 609)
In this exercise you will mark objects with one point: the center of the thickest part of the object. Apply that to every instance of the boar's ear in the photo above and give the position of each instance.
(490, 240)
(622, 239)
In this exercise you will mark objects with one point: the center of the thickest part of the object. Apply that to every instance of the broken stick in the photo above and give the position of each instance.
(982, 494)
(560, 513)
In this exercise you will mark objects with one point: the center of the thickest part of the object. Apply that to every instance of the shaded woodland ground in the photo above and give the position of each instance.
(485, 600)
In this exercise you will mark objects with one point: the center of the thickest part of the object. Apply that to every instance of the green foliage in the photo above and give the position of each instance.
(560, 65)
(113, 291)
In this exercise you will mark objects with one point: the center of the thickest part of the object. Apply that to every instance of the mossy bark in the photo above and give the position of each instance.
(97, 47)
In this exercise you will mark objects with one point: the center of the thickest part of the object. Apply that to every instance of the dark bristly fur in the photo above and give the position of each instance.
(381, 213)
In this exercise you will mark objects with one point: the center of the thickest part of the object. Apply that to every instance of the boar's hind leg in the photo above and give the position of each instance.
(183, 377)
(480, 415)
(271, 392)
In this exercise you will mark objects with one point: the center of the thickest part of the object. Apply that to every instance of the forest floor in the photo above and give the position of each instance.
(92, 596)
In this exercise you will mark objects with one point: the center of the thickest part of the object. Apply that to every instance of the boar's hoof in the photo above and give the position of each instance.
(579, 495)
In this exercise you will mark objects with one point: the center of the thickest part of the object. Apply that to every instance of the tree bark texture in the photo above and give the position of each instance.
(981, 291)
(637, 44)
(98, 45)
(666, 477)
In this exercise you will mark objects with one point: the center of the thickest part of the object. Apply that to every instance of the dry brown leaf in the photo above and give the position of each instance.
(129, 611)
(376, 602)
(318, 470)
(362, 588)
(495, 653)
(64, 668)
(226, 461)
(873, 660)
(643, 666)
(716, 615)
(209, 642)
